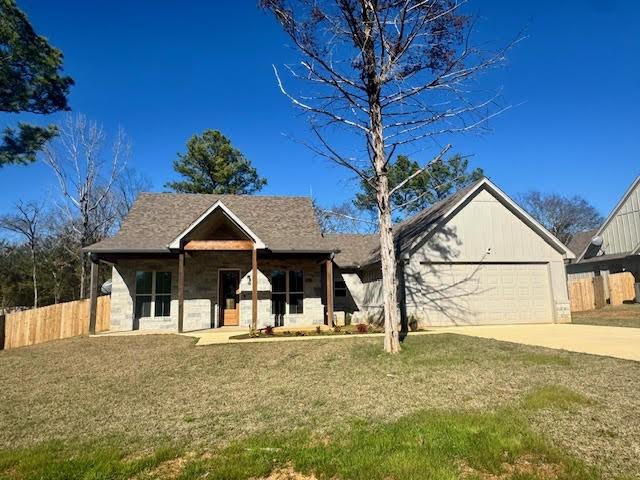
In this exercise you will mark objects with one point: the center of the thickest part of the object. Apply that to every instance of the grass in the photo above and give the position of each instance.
(448, 407)
(617, 316)
(426, 444)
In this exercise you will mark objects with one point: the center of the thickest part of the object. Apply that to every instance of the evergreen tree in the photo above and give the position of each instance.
(30, 81)
(213, 165)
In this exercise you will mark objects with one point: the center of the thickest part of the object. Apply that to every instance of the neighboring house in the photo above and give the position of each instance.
(615, 246)
(191, 261)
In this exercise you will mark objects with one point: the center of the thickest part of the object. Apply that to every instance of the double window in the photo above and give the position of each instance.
(287, 292)
(153, 294)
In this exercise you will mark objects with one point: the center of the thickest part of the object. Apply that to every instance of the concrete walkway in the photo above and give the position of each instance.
(616, 342)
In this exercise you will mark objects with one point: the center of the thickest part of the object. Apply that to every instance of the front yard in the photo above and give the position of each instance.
(616, 316)
(448, 407)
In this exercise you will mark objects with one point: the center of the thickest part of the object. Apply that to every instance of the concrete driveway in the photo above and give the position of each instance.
(619, 342)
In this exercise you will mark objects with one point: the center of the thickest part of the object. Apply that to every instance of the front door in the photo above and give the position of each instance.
(229, 286)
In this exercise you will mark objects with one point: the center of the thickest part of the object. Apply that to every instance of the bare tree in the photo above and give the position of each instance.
(26, 222)
(343, 218)
(86, 177)
(393, 72)
(562, 216)
(127, 188)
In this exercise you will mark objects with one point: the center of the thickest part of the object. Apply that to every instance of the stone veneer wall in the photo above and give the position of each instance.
(201, 291)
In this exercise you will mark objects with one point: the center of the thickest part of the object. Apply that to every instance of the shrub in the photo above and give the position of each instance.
(318, 330)
(268, 330)
(347, 318)
(362, 328)
(413, 323)
(337, 328)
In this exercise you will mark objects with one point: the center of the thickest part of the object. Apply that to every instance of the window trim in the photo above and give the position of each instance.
(153, 294)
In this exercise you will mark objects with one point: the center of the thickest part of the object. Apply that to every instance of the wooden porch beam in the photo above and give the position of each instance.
(216, 245)
(329, 268)
(93, 297)
(254, 289)
(180, 292)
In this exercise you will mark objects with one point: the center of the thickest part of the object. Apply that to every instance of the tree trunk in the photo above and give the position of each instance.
(387, 247)
(34, 274)
(83, 275)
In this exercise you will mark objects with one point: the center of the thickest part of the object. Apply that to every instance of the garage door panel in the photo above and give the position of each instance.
(483, 294)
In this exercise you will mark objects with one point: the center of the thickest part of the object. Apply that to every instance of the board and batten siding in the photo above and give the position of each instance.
(621, 234)
(482, 265)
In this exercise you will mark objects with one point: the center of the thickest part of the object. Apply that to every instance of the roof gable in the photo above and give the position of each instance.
(218, 205)
(620, 232)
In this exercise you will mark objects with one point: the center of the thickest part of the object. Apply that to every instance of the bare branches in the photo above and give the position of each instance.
(86, 177)
(395, 72)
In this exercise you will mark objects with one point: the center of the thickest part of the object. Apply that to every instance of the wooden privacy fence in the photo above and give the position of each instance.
(53, 322)
(590, 293)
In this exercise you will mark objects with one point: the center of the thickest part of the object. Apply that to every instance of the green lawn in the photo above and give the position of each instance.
(448, 407)
(618, 316)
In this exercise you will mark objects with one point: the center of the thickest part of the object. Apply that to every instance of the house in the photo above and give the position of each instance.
(615, 246)
(192, 261)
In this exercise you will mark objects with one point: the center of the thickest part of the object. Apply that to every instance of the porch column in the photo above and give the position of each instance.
(93, 295)
(254, 289)
(329, 265)
(180, 292)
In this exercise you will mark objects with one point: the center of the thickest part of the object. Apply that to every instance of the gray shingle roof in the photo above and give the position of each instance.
(580, 241)
(354, 249)
(282, 223)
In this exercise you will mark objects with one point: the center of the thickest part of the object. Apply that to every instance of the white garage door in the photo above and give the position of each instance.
(468, 294)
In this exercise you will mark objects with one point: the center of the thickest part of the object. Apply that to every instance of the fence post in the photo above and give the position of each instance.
(3, 323)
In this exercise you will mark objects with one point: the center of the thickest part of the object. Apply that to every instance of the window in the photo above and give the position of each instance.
(153, 294)
(340, 288)
(296, 292)
(278, 295)
(287, 294)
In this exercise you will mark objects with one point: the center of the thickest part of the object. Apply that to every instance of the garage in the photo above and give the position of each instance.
(474, 258)
(485, 294)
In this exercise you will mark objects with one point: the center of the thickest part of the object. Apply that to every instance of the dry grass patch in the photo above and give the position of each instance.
(616, 316)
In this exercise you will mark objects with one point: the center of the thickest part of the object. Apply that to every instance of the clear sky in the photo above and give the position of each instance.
(165, 70)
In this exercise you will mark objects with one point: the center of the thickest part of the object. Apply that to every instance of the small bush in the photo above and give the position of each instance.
(347, 318)
(318, 330)
(268, 330)
(362, 328)
(413, 323)
(337, 329)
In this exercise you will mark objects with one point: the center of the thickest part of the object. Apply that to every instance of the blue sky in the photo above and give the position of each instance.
(165, 70)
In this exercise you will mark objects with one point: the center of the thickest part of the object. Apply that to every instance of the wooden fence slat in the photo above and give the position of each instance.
(591, 293)
(621, 287)
(64, 320)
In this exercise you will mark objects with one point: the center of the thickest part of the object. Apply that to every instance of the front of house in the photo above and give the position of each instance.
(185, 262)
